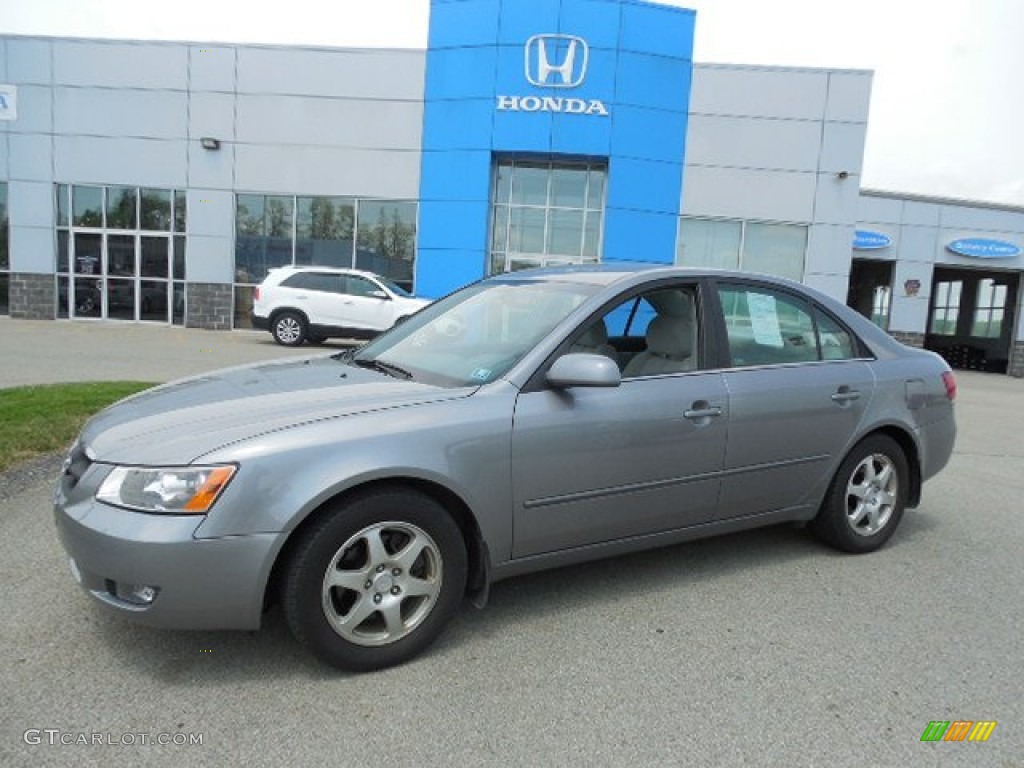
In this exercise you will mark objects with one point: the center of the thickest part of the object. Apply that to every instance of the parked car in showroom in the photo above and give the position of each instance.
(299, 304)
(530, 420)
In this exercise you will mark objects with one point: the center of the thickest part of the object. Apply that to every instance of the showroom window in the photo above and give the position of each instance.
(121, 253)
(546, 214)
(758, 246)
(945, 307)
(5, 257)
(279, 230)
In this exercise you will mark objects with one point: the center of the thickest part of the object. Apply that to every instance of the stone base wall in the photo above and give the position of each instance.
(1016, 367)
(209, 306)
(32, 296)
(909, 338)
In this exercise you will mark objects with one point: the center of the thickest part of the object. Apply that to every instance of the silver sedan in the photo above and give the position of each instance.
(528, 421)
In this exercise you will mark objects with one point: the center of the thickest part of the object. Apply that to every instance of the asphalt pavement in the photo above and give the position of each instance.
(761, 648)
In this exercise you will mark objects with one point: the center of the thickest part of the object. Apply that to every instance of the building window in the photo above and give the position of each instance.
(5, 257)
(945, 307)
(279, 230)
(121, 252)
(772, 248)
(546, 214)
(988, 309)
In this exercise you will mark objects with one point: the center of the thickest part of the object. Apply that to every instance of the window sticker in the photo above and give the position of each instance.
(481, 374)
(764, 319)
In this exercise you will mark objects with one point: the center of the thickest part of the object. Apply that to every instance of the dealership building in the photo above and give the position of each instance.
(159, 181)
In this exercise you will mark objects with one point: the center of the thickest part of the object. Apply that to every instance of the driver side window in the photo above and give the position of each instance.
(651, 334)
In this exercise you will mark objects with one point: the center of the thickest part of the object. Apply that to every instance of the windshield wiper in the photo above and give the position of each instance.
(379, 365)
(345, 355)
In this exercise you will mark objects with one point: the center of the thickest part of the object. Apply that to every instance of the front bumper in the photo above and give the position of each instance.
(198, 583)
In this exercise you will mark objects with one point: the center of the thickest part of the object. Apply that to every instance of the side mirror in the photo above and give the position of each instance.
(380, 295)
(581, 369)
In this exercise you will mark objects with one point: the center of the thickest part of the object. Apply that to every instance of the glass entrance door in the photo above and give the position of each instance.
(121, 253)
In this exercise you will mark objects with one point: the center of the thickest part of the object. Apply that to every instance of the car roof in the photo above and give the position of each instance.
(292, 268)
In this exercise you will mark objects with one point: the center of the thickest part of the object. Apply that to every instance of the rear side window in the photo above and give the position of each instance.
(766, 327)
(836, 342)
(315, 281)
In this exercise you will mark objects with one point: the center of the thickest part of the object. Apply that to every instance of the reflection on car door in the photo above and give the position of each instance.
(593, 465)
(797, 392)
(319, 294)
(361, 309)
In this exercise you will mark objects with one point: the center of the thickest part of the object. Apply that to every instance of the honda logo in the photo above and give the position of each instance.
(556, 61)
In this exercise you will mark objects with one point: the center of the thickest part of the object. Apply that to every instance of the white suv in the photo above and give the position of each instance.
(298, 304)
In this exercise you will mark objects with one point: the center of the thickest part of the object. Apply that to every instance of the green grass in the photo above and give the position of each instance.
(45, 419)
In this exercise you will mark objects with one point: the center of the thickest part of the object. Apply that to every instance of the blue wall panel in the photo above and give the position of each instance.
(461, 73)
(460, 123)
(519, 19)
(596, 21)
(650, 29)
(644, 185)
(486, 97)
(654, 134)
(463, 23)
(454, 175)
(642, 80)
(640, 236)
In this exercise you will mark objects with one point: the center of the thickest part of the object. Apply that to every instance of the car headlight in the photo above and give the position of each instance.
(169, 490)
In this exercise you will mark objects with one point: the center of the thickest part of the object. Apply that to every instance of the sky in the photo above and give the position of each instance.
(947, 104)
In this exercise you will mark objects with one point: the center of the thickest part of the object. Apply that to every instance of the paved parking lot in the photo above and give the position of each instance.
(760, 648)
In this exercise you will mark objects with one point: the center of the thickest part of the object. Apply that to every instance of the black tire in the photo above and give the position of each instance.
(867, 497)
(289, 329)
(417, 578)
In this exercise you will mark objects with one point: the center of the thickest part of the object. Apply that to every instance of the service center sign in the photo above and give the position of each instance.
(866, 240)
(556, 62)
(983, 248)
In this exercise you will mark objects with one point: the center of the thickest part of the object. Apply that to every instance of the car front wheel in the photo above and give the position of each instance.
(289, 329)
(867, 497)
(374, 582)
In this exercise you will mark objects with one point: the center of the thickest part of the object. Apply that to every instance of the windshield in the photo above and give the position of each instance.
(476, 335)
(395, 288)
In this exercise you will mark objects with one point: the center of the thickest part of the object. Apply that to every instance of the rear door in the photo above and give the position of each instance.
(318, 294)
(798, 388)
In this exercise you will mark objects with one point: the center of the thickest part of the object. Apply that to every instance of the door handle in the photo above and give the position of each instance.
(705, 411)
(845, 395)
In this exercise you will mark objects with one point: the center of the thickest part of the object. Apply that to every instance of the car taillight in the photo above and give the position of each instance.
(256, 293)
(950, 381)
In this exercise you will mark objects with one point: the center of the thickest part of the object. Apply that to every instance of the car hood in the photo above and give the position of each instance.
(179, 422)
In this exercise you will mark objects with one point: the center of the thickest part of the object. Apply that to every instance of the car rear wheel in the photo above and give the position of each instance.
(288, 329)
(867, 497)
(374, 582)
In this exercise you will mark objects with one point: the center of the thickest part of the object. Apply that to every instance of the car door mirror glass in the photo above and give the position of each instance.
(583, 369)
(379, 295)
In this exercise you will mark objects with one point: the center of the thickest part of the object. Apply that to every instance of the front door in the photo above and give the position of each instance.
(596, 465)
